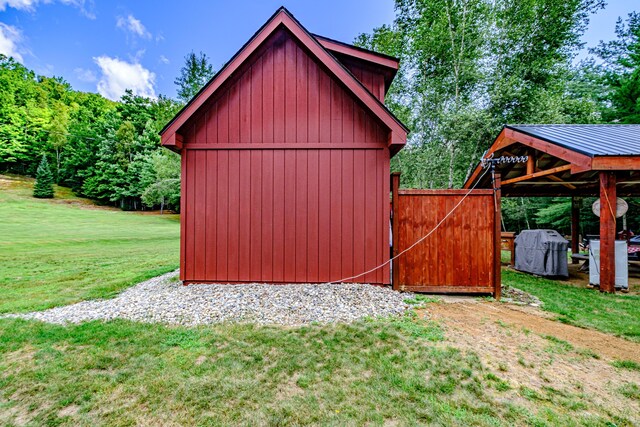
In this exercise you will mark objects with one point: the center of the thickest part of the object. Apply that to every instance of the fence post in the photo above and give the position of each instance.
(497, 272)
(395, 266)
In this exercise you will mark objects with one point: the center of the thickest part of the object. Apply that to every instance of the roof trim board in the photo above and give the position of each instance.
(358, 52)
(578, 161)
(513, 129)
(282, 17)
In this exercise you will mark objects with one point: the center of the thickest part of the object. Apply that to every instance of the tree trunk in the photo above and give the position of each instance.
(57, 165)
(451, 165)
(526, 217)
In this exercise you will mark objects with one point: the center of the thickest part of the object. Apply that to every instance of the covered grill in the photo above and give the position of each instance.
(542, 252)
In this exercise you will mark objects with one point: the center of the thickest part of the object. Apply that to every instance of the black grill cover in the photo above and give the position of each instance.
(542, 252)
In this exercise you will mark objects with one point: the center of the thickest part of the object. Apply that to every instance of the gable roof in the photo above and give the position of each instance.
(563, 160)
(591, 140)
(283, 18)
(388, 65)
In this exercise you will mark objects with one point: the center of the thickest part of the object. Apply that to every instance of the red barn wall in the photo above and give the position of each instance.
(285, 177)
(371, 77)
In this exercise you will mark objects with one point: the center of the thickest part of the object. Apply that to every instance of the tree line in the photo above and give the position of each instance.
(467, 67)
(104, 150)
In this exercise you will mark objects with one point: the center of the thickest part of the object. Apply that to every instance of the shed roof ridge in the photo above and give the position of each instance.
(373, 52)
(197, 99)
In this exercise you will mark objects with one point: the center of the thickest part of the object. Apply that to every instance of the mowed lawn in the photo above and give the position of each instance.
(617, 314)
(56, 252)
(395, 371)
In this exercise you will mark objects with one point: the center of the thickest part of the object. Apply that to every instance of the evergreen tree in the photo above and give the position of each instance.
(622, 70)
(43, 187)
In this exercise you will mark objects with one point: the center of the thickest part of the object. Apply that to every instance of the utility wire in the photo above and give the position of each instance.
(423, 237)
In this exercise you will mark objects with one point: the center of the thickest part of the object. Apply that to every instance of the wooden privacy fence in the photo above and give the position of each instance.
(462, 255)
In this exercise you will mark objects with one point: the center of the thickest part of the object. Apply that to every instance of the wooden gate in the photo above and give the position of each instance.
(462, 255)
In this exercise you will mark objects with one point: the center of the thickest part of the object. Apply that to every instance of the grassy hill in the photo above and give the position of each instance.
(63, 250)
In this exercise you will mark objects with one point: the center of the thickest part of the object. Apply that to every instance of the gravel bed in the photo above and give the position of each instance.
(162, 299)
(517, 296)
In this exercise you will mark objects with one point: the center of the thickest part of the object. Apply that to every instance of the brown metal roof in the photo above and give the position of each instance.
(592, 140)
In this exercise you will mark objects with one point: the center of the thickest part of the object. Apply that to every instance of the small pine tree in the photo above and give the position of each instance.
(43, 187)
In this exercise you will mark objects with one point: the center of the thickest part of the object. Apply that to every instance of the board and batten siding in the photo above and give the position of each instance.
(285, 177)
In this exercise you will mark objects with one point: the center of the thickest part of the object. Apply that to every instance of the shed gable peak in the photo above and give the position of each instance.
(281, 94)
(172, 134)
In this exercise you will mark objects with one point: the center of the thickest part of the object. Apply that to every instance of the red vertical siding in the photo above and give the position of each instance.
(369, 76)
(285, 177)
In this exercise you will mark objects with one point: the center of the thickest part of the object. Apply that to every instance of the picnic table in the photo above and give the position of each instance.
(585, 258)
(581, 257)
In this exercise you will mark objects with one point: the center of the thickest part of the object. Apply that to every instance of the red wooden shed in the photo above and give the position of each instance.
(285, 162)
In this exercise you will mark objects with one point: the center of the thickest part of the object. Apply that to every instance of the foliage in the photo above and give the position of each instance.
(467, 67)
(195, 73)
(626, 364)
(43, 187)
(100, 148)
(63, 251)
(621, 70)
(161, 180)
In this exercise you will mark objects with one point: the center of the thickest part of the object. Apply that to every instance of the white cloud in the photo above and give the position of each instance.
(19, 4)
(30, 5)
(164, 59)
(133, 25)
(85, 75)
(119, 75)
(10, 38)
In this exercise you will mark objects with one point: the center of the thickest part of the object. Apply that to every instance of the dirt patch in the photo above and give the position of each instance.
(68, 411)
(537, 321)
(289, 388)
(537, 356)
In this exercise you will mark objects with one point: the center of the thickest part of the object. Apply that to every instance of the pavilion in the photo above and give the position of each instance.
(572, 161)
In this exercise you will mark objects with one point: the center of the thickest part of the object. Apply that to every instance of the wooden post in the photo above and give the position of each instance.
(575, 227)
(531, 162)
(497, 272)
(395, 266)
(607, 231)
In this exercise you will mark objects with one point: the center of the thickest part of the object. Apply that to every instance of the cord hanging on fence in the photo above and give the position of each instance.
(420, 239)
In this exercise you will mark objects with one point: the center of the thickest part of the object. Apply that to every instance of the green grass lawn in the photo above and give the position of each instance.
(617, 314)
(55, 252)
(379, 372)
(385, 371)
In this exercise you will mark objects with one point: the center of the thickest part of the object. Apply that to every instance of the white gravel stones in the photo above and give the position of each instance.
(164, 300)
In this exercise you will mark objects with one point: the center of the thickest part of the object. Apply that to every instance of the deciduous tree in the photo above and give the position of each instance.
(195, 73)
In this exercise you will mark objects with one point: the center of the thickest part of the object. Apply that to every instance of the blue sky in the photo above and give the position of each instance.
(107, 46)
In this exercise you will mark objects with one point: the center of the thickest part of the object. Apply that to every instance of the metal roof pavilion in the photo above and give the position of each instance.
(592, 140)
(564, 160)
(570, 160)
